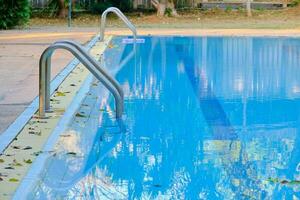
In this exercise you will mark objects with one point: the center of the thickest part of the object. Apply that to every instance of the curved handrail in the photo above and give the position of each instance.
(119, 14)
(44, 77)
(96, 64)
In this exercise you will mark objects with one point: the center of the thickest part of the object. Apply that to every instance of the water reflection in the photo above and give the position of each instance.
(206, 118)
(225, 118)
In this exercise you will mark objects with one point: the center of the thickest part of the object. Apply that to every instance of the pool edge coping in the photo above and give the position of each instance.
(19, 125)
(28, 181)
(144, 31)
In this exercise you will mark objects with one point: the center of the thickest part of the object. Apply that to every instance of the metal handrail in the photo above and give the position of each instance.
(119, 14)
(44, 77)
(96, 64)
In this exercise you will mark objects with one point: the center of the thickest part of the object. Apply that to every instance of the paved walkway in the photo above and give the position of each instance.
(19, 57)
(20, 51)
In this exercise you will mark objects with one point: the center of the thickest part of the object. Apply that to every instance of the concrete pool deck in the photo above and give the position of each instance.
(20, 51)
(19, 57)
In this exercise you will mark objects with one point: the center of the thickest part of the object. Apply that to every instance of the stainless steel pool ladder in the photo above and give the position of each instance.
(119, 14)
(96, 64)
(89, 62)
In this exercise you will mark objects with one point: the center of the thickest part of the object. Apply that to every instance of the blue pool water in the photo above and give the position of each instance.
(205, 118)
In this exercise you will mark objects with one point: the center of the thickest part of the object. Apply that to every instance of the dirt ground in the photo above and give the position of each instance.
(210, 19)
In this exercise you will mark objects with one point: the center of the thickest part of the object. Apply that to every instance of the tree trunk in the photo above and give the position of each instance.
(63, 9)
(135, 4)
(163, 5)
(62, 12)
(248, 8)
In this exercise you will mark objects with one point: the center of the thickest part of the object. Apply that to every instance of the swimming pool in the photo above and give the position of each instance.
(205, 118)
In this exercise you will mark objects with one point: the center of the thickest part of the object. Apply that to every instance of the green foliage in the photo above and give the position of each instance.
(13, 13)
(295, 3)
(168, 12)
(228, 9)
(53, 7)
(240, 9)
(100, 7)
(260, 9)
